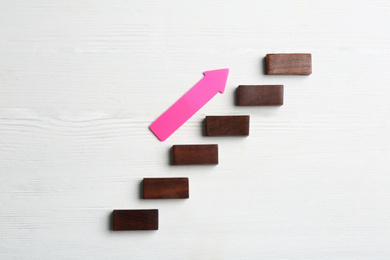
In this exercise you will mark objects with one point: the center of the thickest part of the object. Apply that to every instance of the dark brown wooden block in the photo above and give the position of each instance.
(165, 188)
(260, 95)
(135, 219)
(195, 154)
(227, 125)
(289, 64)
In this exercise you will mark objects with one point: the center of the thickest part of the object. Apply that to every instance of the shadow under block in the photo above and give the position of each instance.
(195, 154)
(165, 188)
(260, 95)
(227, 125)
(289, 64)
(135, 219)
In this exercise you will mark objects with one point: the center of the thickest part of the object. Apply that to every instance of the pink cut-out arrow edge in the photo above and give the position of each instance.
(214, 81)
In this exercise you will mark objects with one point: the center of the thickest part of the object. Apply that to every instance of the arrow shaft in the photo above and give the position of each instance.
(183, 109)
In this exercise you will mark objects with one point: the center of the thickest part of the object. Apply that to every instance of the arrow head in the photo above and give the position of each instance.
(217, 78)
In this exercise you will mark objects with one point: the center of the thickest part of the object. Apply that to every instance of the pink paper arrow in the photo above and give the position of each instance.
(214, 81)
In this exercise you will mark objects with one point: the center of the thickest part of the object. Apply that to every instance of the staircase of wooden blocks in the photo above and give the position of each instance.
(246, 95)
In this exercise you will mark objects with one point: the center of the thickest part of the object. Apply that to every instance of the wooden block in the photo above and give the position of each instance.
(195, 154)
(227, 125)
(289, 64)
(165, 188)
(260, 95)
(135, 219)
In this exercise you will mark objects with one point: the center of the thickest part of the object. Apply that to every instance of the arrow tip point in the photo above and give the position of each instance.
(219, 77)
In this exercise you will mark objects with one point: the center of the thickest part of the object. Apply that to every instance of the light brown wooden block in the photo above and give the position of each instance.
(165, 188)
(289, 64)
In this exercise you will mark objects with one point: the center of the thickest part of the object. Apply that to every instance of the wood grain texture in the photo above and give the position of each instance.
(135, 219)
(227, 125)
(165, 188)
(260, 95)
(195, 154)
(289, 64)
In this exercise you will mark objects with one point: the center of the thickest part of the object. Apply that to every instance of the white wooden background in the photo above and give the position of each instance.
(81, 81)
